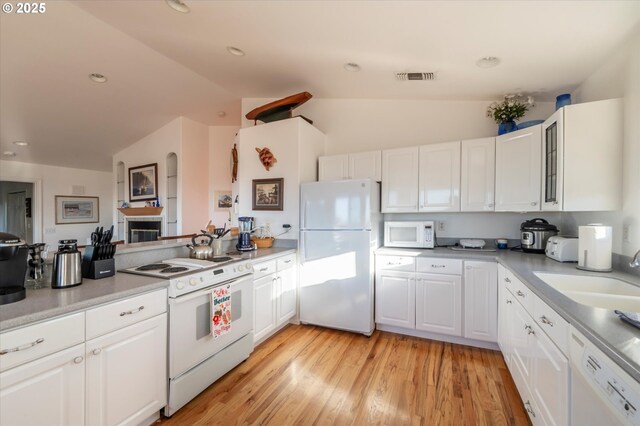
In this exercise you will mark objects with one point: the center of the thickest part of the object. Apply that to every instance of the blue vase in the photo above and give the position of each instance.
(563, 100)
(507, 127)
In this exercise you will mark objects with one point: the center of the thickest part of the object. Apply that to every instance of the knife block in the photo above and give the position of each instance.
(96, 269)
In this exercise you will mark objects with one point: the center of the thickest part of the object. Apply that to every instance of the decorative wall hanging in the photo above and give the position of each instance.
(268, 194)
(143, 182)
(280, 109)
(223, 200)
(266, 157)
(77, 209)
(234, 163)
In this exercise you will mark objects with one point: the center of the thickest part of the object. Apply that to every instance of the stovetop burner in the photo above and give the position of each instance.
(152, 267)
(174, 269)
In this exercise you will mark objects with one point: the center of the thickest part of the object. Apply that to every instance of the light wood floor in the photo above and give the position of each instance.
(310, 375)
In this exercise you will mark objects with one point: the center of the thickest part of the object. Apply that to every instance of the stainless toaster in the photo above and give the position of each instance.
(562, 249)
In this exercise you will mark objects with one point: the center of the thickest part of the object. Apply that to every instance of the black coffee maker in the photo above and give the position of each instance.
(13, 268)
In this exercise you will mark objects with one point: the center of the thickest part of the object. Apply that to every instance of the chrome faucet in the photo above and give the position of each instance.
(635, 262)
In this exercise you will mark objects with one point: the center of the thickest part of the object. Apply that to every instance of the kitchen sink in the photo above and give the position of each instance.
(599, 292)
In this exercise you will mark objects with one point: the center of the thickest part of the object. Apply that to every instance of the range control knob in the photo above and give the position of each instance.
(249, 267)
(240, 267)
(193, 281)
(180, 285)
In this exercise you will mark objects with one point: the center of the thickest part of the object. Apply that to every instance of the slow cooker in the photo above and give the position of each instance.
(534, 234)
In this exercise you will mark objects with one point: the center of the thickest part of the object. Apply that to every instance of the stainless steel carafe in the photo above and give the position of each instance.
(67, 265)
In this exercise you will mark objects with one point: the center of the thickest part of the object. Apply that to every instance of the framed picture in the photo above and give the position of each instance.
(143, 182)
(223, 200)
(268, 194)
(77, 209)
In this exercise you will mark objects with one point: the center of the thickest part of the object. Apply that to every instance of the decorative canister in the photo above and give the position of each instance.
(563, 100)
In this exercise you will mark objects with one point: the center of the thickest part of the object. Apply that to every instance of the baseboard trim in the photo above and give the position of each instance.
(440, 337)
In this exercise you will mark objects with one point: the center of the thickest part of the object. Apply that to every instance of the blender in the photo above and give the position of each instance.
(245, 225)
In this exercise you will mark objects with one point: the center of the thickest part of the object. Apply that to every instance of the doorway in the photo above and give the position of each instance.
(16, 209)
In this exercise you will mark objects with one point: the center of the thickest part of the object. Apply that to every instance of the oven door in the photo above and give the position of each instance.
(190, 338)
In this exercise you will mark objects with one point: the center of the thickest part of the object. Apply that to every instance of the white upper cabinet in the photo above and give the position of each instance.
(582, 157)
(439, 187)
(518, 170)
(361, 165)
(333, 167)
(478, 164)
(400, 180)
(364, 165)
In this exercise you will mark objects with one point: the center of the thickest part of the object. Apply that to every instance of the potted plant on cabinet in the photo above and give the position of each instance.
(512, 108)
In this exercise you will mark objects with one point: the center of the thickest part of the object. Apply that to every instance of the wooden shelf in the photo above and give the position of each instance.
(141, 211)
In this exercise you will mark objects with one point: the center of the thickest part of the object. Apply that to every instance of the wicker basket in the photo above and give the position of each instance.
(263, 242)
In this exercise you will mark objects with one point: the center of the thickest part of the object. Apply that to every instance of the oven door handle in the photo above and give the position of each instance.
(234, 283)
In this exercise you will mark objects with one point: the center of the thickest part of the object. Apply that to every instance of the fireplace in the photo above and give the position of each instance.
(141, 229)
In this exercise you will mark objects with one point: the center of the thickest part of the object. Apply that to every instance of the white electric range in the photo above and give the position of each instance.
(200, 349)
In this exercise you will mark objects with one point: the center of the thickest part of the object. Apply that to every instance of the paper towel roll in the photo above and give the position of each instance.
(594, 247)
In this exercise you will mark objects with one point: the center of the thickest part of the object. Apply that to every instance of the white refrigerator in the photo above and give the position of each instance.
(340, 227)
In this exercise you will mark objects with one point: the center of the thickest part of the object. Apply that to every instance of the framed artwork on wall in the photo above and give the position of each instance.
(77, 209)
(268, 194)
(223, 200)
(143, 182)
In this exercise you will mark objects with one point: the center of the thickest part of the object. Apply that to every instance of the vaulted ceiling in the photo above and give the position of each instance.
(161, 63)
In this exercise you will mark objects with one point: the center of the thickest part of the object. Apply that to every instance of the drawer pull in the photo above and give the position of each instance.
(529, 329)
(507, 280)
(263, 269)
(509, 301)
(133, 311)
(546, 320)
(96, 351)
(437, 266)
(23, 347)
(519, 293)
(78, 359)
(287, 261)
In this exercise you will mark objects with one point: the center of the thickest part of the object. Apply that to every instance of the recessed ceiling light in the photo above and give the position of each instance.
(488, 62)
(178, 6)
(235, 51)
(97, 78)
(351, 67)
(9, 154)
(21, 143)
(221, 114)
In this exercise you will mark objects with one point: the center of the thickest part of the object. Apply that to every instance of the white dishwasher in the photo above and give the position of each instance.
(601, 392)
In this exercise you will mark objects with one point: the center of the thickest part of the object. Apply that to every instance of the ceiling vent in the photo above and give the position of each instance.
(415, 76)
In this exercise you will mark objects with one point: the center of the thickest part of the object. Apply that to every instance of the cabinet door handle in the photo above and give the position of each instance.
(507, 280)
(133, 311)
(529, 329)
(23, 347)
(287, 261)
(78, 359)
(519, 293)
(96, 351)
(509, 301)
(263, 269)
(546, 320)
(490, 205)
(529, 409)
(534, 203)
(437, 266)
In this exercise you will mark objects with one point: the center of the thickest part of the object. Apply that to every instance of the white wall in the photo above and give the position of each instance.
(619, 76)
(194, 178)
(59, 181)
(354, 125)
(221, 139)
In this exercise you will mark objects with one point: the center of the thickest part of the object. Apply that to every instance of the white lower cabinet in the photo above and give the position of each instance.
(265, 306)
(481, 300)
(126, 373)
(47, 391)
(439, 303)
(51, 376)
(395, 298)
(539, 368)
(275, 288)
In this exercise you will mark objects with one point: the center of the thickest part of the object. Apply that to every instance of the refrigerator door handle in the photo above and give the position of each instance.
(302, 250)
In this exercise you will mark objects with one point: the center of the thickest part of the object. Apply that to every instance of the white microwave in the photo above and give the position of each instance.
(409, 234)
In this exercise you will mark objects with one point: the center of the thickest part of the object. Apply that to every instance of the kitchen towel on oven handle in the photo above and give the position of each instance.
(220, 313)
